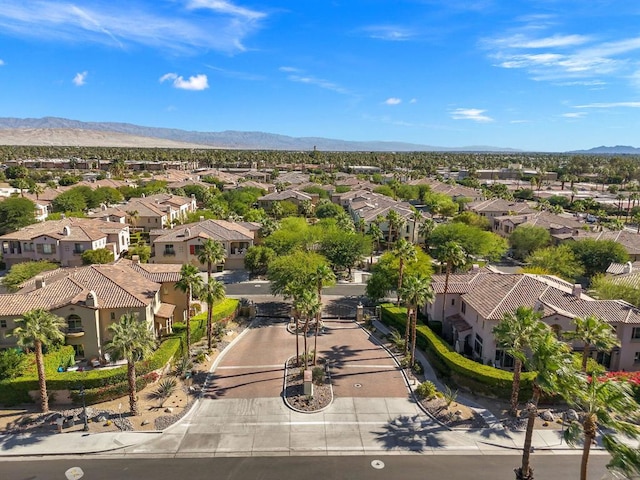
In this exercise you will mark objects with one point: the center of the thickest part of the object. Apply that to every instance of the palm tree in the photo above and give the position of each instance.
(514, 334)
(308, 306)
(550, 359)
(132, 340)
(211, 253)
(604, 404)
(211, 292)
(416, 216)
(395, 221)
(592, 332)
(416, 291)
(376, 235)
(36, 189)
(454, 256)
(190, 282)
(133, 217)
(405, 252)
(425, 230)
(36, 329)
(322, 277)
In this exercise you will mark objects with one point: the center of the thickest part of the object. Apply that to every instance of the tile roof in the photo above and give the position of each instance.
(80, 229)
(220, 230)
(500, 205)
(492, 294)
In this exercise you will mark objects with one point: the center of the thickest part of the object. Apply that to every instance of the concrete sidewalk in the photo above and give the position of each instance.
(70, 443)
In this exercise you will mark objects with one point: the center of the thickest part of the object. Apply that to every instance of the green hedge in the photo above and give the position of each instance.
(474, 376)
(105, 384)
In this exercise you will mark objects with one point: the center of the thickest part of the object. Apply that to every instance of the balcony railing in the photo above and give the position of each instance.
(74, 332)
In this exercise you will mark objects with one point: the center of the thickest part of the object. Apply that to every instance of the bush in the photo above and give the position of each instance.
(317, 375)
(12, 363)
(426, 389)
(21, 272)
(474, 376)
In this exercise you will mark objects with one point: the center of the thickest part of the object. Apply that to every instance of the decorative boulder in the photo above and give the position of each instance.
(547, 416)
(571, 415)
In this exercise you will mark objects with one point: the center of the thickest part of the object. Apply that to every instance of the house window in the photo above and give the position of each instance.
(453, 301)
(113, 315)
(636, 357)
(635, 333)
(3, 324)
(74, 323)
(46, 248)
(477, 345)
(464, 307)
(195, 249)
(169, 250)
(503, 359)
(78, 248)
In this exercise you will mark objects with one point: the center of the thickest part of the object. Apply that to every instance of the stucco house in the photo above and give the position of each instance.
(90, 299)
(63, 241)
(476, 301)
(182, 244)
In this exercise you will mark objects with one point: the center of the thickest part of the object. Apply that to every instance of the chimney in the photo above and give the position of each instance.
(40, 281)
(92, 299)
(202, 218)
(577, 290)
(135, 259)
(628, 268)
(66, 231)
(475, 268)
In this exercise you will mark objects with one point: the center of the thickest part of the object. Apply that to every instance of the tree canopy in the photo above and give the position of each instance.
(475, 241)
(16, 213)
(527, 238)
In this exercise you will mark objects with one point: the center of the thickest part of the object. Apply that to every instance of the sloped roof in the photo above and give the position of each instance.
(220, 230)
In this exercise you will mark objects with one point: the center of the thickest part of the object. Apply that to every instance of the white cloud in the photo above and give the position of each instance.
(610, 105)
(413, 100)
(2, 62)
(80, 78)
(196, 82)
(299, 76)
(557, 57)
(474, 114)
(389, 32)
(393, 101)
(574, 114)
(203, 25)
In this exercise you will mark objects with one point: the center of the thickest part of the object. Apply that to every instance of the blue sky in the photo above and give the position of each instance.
(543, 75)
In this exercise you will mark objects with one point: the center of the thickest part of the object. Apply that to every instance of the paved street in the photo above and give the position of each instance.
(451, 467)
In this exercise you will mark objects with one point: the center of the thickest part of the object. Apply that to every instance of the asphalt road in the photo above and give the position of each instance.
(420, 467)
(248, 289)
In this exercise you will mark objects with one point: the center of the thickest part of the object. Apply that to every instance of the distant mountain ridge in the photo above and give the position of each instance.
(617, 150)
(227, 139)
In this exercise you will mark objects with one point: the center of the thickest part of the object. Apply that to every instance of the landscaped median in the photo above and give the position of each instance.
(470, 375)
(107, 384)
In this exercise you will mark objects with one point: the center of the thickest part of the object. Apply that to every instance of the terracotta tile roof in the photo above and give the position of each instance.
(220, 230)
(156, 272)
(285, 195)
(165, 310)
(500, 205)
(493, 294)
(80, 229)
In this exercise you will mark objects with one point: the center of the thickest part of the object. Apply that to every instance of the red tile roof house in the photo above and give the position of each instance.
(476, 301)
(63, 241)
(93, 297)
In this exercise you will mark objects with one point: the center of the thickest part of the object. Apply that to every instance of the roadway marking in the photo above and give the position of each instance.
(364, 366)
(237, 367)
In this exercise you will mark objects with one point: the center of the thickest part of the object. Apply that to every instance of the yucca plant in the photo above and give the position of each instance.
(165, 389)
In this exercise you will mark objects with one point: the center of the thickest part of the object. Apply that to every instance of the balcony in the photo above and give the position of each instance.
(74, 332)
(169, 253)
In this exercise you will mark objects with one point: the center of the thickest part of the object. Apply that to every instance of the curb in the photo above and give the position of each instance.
(284, 389)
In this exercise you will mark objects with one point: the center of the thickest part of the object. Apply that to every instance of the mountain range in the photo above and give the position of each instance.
(62, 131)
(55, 131)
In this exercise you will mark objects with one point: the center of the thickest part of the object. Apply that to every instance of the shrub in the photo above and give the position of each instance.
(317, 375)
(426, 389)
(21, 272)
(472, 375)
(12, 363)
(165, 389)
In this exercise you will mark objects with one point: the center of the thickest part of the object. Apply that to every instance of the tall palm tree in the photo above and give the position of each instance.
(550, 359)
(376, 235)
(416, 290)
(211, 253)
(132, 340)
(308, 306)
(189, 283)
(322, 277)
(211, 292)
(514, 334)
(416, 216)
(36, 329)
(454, 256)
(394, 220)
(604, 404)
(405, 252)
(592, 332)
(36, 189)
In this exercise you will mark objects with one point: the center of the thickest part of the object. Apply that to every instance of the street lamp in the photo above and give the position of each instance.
(84, 410)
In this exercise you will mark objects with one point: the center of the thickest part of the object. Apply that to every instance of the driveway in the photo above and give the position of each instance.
(253, 368)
